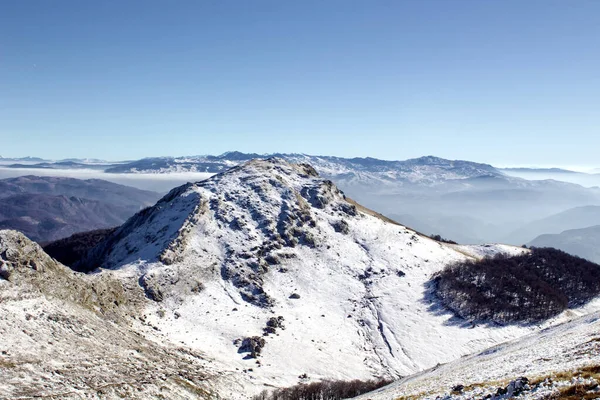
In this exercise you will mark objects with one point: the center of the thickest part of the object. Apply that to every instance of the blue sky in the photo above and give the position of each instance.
(506, 82)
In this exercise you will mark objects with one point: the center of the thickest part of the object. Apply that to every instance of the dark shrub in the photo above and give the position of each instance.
(325, 390)
(441, 239)
(70, 250)
(252, 345)
(525, 288)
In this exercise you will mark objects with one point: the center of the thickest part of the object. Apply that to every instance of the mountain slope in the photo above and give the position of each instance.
(69, 336)
(271, 248)
(582, 242)
(556, 362)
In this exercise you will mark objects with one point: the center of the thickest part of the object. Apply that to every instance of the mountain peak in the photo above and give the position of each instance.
(261, 193)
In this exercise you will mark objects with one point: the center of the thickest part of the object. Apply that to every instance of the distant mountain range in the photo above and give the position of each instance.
(458, 199)
(50, 208)
(550, 170)
(418, 169)
(39, 160)
(583, 242)
(574, 218)
(22, 159)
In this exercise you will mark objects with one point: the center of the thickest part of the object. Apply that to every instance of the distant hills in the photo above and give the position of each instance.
(583, 242)
(50, 208)
(574, 218)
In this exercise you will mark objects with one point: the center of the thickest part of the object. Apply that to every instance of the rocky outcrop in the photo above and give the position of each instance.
(75, 336)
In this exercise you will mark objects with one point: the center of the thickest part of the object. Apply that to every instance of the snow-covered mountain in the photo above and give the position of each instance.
(427, 169)
(271, 248)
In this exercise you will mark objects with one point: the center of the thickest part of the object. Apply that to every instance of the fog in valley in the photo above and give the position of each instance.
(160, 183)
(590, 179)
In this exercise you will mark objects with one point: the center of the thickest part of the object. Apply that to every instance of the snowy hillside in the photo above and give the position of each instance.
(68, 336)
(270, 250)
(557, 362)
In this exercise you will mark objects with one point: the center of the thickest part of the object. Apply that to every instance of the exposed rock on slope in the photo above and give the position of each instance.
(222, 257)
(68, 336)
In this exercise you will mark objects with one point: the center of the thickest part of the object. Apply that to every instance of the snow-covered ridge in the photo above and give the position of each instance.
(427, 169)
(67, 335)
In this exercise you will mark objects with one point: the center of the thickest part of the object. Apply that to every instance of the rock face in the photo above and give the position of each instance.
(218, 259)
(19, 257)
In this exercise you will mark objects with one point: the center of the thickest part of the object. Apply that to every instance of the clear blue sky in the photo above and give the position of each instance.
(506, 82)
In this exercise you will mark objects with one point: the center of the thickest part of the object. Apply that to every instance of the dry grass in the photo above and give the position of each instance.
(370, 212)
(576, 392)
(7, 364)
(568, 392)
